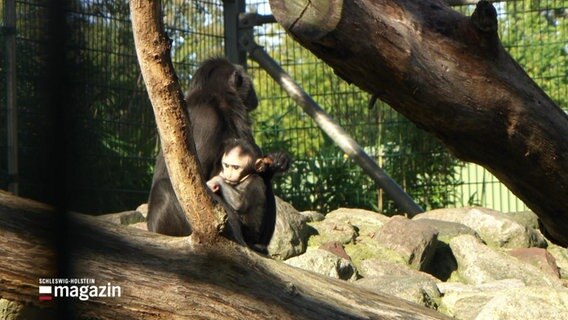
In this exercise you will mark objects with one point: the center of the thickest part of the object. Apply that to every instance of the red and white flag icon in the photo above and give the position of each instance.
(45, 293)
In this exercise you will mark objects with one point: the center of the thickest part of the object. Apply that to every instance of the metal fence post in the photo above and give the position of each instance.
(11, 92)
(233, 51)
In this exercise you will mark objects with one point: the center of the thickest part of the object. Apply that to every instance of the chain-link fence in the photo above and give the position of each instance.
(112, 137)
(536, 34)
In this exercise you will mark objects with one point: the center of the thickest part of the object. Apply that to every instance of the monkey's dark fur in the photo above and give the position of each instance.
(247, 194)
(219, 100)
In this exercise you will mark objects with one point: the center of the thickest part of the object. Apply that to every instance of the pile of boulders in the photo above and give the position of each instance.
(469, 263)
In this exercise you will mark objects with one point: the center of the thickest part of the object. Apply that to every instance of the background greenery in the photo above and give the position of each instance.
(112, 137)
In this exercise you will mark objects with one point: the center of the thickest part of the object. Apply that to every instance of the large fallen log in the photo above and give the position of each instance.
(450, 75)
(166, 277)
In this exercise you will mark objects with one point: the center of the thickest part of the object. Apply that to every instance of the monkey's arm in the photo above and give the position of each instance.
(245, 196)
(250, 202)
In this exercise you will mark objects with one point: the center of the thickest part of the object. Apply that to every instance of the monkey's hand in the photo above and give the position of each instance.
(215, 183)
(278, 162)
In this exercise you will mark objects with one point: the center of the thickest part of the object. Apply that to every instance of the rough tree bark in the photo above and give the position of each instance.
(174, 127)
(448, 74)
(167, 277)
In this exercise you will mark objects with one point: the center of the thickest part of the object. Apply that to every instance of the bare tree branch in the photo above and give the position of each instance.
(153, 50)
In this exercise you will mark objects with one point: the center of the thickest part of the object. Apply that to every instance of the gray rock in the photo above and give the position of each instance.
(143, 209)
(527, 303)
(464, 302)
(443, 264)
(366, 248)
(499, 230)
(124, 218)
(447, 288)
(374, 268)
(465, 306)
(414, 241)
(446, 214)
(526, 218)
(414, 288)
(561, 256)
(468, 306)
(537, 257)
(477, 264)
(290, 234)
(312, 216)
(366, 222)
(326, 263)
(446, 229)
(511, 230)
(331, 230)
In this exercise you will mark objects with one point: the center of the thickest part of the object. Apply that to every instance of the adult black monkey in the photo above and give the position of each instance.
(219, 100)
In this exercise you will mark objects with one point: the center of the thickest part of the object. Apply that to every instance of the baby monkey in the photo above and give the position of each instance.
(242, 188)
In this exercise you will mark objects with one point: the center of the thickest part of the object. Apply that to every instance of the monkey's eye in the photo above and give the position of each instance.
(232, 166)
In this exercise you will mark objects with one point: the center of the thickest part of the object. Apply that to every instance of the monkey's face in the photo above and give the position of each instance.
(236, 166)
(242, 83)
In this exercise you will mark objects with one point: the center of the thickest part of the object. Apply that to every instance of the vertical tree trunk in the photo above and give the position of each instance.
(174, 127)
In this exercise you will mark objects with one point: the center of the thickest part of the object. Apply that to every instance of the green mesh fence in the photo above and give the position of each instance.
(534, 32)
(113, 138)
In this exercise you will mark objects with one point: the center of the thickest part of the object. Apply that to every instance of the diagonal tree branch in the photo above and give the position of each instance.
(448, 74)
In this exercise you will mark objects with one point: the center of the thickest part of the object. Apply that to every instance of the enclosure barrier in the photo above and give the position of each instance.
(330, 127)
(112, 136)
(12, 109)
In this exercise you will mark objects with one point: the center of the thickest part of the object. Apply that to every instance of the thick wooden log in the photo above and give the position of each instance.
(448, 74)
(170, 278)
(28, 247)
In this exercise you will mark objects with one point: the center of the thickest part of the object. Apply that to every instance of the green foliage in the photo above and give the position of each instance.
(322, 177)
(113, 138)
(419, 163)
(327, 181)
(112, 135)
(535, 33)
